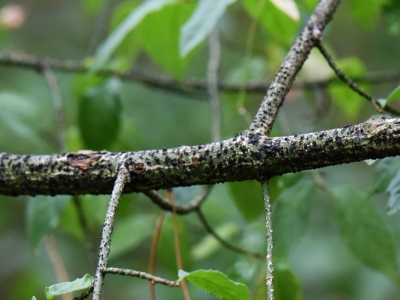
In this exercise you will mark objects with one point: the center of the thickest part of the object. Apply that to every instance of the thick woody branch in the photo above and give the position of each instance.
(244, 157)
(291, 65)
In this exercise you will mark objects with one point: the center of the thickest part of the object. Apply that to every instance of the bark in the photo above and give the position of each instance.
(244, 157)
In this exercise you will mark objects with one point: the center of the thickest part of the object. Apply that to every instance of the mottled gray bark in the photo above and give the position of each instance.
(244, 157)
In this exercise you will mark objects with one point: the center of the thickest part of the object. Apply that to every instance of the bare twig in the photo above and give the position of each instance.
(185, 291)
(122, 178)
(56, 261)
(154, 250)
(343, 77)
(133, 273)
(212, 84)
(195, 87)
(226, 244)
(269, 279)
(181, 209)
(51, 80)
(86, 232)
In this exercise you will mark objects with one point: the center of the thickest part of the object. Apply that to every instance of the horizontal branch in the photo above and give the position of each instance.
(245, 157)
(188, 86)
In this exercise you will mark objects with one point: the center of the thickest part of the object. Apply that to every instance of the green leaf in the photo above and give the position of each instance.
(289, 179)
(99, 114)
(69, 287)
(286, 285)
(105, 50)
(394, 194)
(394, 95)
(290, 217)
(217, 284)
(385, 170)
(366, 16)
(279, 25)
(365, 232)
(129, 233)
(343, 96)
(161, 41)
(310, 5)
(209, 245)
(201, 23)
(248, 198)
(33, 298)
(19, 121)
(42, 216)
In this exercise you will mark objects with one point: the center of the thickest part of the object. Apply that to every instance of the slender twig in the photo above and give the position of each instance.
(56, 261)
(86, 231)
(133, 273)
(192, 86)
(179, 263)
(51, 80)
(181, 209)
(153, 251)
(212, 84)
(291, 65)
(85, 294)
(343, 77)
(122, 178)
(226, 244)
(269, 279)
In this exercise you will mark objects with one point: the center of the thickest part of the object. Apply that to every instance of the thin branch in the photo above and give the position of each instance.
(181, 209)
(269, 279)
(280, 86)
(105, 244)
(226, 244)
(193, 87)
(56, 261)
(85, 294)
(178, 253)
(51, 80)
(86, 231)
(212, 84)
(153, 251)
(133, 273)
(343, 77)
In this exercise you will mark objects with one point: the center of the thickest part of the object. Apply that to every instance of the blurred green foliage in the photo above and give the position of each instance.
(322, 254)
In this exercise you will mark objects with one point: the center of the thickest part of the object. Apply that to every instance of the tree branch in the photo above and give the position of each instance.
(241, 158)
(290, 66)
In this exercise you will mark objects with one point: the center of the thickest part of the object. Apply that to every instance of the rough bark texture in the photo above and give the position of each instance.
(244, 157)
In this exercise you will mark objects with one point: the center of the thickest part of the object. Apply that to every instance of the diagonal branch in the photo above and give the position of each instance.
(237, 159)
(265, 117)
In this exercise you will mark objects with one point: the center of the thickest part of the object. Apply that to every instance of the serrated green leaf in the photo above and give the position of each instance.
(385, 170)
(201, 23)
(365, 232)
(394, 95)
(208, 245)
(161, 41)
(217, 284)
(248, 198)
(290, 217)
(279, 25)
(129, 233)
(99, 114)
(394, 194)
(69, 287)
(286, 285)
(366, 16)
(105, 50)
(42, 216)
(343, 96)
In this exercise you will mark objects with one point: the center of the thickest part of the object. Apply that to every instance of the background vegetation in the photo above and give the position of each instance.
(313, 242)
